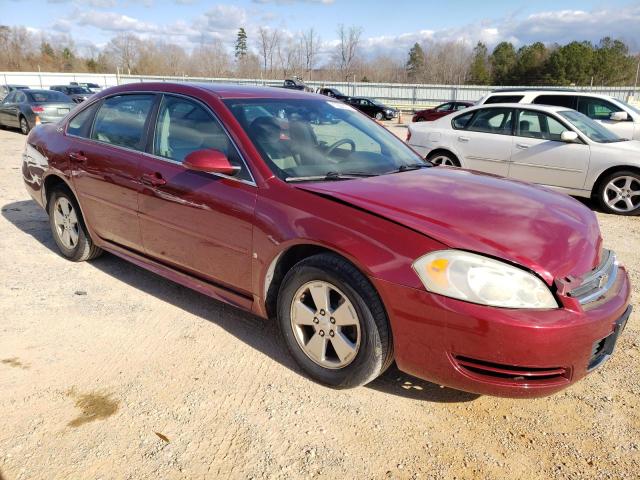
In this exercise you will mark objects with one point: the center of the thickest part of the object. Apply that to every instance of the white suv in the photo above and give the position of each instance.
(618, 116)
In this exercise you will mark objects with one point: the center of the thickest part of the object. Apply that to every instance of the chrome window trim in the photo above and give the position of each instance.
(251, 182)
(586, 293)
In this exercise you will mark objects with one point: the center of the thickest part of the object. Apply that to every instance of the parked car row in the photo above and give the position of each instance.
(26, 108)
(363, 252)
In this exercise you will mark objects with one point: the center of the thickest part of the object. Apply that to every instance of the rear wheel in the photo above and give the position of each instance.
(619, 193)
(444, 158)
(68, 228)
(333, 322)
(379, 116)
(24, 125)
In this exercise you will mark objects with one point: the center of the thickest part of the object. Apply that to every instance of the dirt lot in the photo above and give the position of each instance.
(108, 371)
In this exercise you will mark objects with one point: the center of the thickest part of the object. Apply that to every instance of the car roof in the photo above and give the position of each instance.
(550, 91)
(528, 106)
(221, 90)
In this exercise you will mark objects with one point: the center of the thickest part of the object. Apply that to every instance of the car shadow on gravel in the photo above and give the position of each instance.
(259, 334)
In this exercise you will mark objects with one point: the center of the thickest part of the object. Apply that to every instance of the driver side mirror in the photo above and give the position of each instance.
(210, 161)
(619, 116)
(569, 137)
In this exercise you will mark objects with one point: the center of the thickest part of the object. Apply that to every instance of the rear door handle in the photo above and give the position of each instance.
(522, 146)
(78, 156)
(153, 179)
(463, 139)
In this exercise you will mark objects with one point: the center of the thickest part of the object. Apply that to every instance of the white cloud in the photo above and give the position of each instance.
(289, 2)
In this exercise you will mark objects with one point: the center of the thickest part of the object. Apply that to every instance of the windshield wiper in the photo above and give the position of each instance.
(330, 176)
(411, 166)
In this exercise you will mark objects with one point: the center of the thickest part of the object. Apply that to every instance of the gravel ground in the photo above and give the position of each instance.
(108, 371)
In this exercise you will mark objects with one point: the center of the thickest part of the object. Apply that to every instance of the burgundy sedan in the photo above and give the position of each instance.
(297, 207)
(435, 113)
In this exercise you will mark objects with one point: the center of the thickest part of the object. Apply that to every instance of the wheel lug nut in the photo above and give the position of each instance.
(321, 333)
(331, 334)
(322, 312)
(315, 320)
(332, 320)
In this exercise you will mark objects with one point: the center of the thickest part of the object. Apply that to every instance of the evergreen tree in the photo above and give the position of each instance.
(503, 61)
(570, 64)
(241, 44)
(416, 64)
(613, 64)
(479, 73)
(530, 65)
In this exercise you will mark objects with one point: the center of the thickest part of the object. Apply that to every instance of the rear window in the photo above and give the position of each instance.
(48, 96)
(567, 101)
(504, 99)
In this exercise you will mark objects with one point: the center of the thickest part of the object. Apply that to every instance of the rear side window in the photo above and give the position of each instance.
(567, 101)
(20, 97)
(492, 120)
(121, 120)
(461, 121)
(184, 126)
(504, 99)
(80, 125)
(596, 108)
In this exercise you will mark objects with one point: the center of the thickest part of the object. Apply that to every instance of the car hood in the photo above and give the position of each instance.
(547, 232)
(630, 147)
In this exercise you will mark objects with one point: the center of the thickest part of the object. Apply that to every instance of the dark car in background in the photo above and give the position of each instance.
(92, 87)
(24, 109)
(373, 108)
(296, 83)
(333, 93)
(7, 89)
(440, 111)
(77, 93)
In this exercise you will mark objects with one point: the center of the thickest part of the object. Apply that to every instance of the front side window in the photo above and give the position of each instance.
(80, 125)
(184, 126)
(121, 120)
(591, 129)
(539, 125)
(309, 138)
(461, 121)
(596, 108)
(444, 108)
(492, 120)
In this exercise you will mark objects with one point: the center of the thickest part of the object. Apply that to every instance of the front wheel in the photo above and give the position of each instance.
(24, 126)
(379, 116)
(68, 228)
(619, 193)
(333, 322)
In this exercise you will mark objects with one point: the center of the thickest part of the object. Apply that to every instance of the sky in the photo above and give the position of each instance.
(390, 26)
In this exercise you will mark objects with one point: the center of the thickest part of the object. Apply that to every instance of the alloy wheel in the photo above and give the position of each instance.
(443, 160)
(325, 324)
(66, 223)
(622, 194)
(24, 126)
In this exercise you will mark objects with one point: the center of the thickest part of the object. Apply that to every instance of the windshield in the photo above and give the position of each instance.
(316, 138)
(591, 129)
(377, 102)
(78, 90)
(45, 96)
(630, 107)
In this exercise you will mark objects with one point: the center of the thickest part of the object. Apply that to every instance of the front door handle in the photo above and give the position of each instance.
(78, 156)
(463, 139)
(153, 179)
(522, 146)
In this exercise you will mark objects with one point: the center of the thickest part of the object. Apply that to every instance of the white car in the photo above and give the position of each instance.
(551, 146)
(618, 116)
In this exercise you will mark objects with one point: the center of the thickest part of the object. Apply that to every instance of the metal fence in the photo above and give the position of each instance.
(405, 96)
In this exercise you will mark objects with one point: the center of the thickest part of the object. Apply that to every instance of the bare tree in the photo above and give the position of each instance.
(210, 60)
(310, 46)
(347, 49)
(268, 42)
(124, 51)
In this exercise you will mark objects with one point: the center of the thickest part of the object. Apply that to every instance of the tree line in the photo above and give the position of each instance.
(276, 54)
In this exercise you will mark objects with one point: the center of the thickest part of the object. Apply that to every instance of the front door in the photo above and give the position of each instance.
(485, 143)
(600, 110)
(539, 156)
(197, 222)
(106, 165)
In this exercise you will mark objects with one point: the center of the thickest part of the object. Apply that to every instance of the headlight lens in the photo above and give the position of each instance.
(478, 279)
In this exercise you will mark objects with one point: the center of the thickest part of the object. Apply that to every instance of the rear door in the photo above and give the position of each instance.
(198, 222)
(539, 156)
(105, 162)
(485, 142)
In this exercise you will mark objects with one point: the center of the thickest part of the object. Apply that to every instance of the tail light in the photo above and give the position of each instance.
(408, 135)
(37, 109)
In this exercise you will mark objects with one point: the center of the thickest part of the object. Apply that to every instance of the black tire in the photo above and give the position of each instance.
(84, 248)
(25, 128)
(375, 353)
(605, 196)
(379, 116)
(441, 158)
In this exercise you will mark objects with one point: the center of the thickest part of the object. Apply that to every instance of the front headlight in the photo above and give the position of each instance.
(478, 279)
